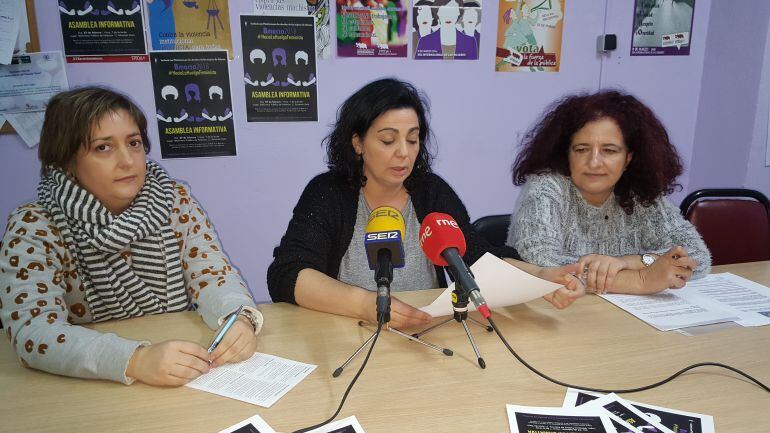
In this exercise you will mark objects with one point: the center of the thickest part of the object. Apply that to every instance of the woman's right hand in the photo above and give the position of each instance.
(170, 363)
(402, 315)
(671, 270)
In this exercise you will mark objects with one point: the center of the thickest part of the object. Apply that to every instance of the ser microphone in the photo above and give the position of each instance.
(443, 243)
(383, 242)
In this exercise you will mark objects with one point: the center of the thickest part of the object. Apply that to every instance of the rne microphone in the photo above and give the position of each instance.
(443, 243)
(383, 242)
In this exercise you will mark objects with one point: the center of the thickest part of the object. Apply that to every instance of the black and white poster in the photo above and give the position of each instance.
(193, 103)
(527, 419)
(102, 30)
(279, 68)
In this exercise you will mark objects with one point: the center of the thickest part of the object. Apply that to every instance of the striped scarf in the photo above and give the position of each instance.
(154, 283)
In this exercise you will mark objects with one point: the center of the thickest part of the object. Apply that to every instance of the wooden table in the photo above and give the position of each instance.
(408, 388)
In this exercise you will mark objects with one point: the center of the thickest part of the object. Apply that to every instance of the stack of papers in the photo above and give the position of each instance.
(712, 299)
(591, 412)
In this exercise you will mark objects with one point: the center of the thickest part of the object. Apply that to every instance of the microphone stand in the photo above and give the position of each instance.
(384, 276)
(460, 308)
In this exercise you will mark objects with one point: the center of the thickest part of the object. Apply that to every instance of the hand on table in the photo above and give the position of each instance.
(170, 363)
(573, 288)
(238, 344)
(599, 271)
(671, 270)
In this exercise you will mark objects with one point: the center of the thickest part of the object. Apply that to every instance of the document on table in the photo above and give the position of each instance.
(261, 379)
(713, 299)
(501, 283)
(744, 298)
(254, 424)
(529, 419)
(672, 419)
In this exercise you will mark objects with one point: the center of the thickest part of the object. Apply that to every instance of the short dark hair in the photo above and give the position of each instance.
(653, 169)
(71, 116)
(356, 115)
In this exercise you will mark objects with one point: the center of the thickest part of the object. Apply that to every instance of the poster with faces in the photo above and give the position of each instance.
(446, 29)
(529, 35)
(279, 68)
(372, 28)
(193, 103)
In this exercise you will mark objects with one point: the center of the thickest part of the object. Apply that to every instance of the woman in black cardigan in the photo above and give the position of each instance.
(378, 155)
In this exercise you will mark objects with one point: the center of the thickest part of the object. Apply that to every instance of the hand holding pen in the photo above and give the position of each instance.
(234, 342)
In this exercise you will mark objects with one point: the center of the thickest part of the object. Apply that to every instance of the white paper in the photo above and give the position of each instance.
(254, 424)
(10, 16)
(668, 310)
(261, 379)
(746, 299)
(501, 283)
(27, 125)
(23, 39)
(626, 415)
(693, 422)
(557, 419)
(30, 81)
(347, 425)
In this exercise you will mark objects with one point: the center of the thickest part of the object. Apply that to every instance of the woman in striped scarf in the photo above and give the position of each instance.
(111, 236)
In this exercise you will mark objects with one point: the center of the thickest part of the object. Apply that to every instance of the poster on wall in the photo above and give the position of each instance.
(529, 35)
(318, 9)
(193, 103)
(441, 30)
(662, 27)
(372, 28)
(102, 31)
(279, 68)
(189, 25)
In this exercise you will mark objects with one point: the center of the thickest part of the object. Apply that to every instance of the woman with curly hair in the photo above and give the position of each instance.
(595, 170)
(378, 154)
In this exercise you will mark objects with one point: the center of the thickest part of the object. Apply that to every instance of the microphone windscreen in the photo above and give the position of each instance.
(438, 232)
(385, 230)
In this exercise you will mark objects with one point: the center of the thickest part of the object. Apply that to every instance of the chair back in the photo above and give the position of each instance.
(494, 228)
(734, 223)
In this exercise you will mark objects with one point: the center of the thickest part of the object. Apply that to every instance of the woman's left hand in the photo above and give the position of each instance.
(238, 344)
(573, 288)
(599, 271)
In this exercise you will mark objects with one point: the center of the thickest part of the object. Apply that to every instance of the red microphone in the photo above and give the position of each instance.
(443, 243)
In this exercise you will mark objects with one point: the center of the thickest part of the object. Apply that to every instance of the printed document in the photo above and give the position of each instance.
(746, 299)
(261, 379)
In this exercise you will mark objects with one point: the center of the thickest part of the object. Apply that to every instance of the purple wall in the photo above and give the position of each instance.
(728, 107)
(758, 175)
(478, 116)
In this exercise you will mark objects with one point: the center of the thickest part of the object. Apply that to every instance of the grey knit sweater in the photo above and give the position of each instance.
(553, 225)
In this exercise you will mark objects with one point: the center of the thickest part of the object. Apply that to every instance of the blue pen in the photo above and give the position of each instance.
(223, 330)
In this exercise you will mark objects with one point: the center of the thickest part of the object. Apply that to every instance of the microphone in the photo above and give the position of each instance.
(443, 243)
(384, 251)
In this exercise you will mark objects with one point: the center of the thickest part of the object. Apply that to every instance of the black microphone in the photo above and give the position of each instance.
(384, 251)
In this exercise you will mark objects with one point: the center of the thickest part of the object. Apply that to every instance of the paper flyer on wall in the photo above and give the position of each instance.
(372, 28)
(529, 35)
(189, 25)
(30, 81)
(662, 27)
(443, 31)
(102, 30)
(279, 68)
(318, 9)
(193, 103)
(676, 420)
(529, 419)
(10, 20)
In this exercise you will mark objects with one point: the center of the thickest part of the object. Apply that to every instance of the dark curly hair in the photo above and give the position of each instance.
(653, 168)
(356, 115)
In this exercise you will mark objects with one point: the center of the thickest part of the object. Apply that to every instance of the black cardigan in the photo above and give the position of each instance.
(321, 228)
